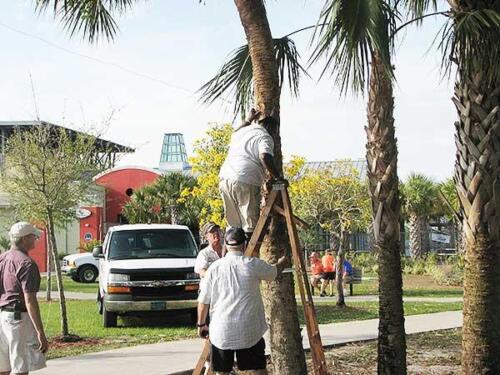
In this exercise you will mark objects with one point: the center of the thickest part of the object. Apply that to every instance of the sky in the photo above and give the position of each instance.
(143, 84)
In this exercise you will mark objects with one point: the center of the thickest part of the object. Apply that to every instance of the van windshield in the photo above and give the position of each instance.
(154, 243)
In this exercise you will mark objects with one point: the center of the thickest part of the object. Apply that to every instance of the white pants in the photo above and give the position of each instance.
(19, 344)
(241, 204)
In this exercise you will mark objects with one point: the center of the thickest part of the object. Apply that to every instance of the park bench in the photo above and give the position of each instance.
(356, 278)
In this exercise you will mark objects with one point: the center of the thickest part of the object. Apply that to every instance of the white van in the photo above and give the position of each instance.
(146, 268)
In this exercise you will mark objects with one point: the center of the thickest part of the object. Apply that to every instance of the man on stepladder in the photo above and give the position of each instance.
(250, 155)
(232, 294)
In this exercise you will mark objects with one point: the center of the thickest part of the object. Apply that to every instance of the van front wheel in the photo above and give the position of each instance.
(108, 318)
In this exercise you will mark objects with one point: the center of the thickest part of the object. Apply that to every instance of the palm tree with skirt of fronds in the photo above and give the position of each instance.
(420, 197)
(470, 41)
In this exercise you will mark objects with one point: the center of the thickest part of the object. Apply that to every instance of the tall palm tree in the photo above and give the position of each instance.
(94, 18)
(279, 296)
(470, 41)
(420, 196)
(355, 37)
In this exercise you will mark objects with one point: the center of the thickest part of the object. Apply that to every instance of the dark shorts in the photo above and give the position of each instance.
(318, 276)
(329, 275)
(253, 358)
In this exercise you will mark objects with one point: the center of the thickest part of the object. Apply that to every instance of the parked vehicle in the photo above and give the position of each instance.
(82, 267)
(146, 268)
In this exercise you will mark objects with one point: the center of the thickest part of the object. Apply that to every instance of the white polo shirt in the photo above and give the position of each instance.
(232, 289)
(243, 158)
(205, 259)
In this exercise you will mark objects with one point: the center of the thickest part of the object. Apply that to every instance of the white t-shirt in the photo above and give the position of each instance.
(205, 258)
(232, 289)
(243, 159)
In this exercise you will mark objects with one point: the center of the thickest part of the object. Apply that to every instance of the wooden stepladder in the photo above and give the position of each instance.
(283, 207)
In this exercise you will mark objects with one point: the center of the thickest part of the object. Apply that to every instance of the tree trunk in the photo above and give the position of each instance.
(287, 353)
(417, 225)
(339, 269)
(53, 250)
(383, 181)
(48, 290)
(477, 175)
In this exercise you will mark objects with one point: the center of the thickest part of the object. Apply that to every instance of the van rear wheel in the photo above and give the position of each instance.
(109, 318)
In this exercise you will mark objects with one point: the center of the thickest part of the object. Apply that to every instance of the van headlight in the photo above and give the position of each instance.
(117, 277)
(192, 276)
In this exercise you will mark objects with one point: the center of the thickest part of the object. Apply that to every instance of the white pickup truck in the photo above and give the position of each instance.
(80, 267)
(146, 268)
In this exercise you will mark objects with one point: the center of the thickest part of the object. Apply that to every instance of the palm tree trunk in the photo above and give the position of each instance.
(416, 227)
(279, 296)
(382, 159)
(53, 250)
(477, 175)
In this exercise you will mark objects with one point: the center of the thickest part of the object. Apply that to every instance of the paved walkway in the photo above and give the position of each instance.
(365, 298)
(180, 356)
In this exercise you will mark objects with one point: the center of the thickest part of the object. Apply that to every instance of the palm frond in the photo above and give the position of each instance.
(235, 78)
(92, 18)
(418, 8)
(348, 32)
(471, 39)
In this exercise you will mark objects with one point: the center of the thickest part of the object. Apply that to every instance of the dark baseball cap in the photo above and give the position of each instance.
(235, 237)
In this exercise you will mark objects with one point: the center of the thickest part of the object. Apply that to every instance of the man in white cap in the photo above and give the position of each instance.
(22, 337)
(212, 252)
(237, 321)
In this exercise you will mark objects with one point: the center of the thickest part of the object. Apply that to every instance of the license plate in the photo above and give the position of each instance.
(158, 306)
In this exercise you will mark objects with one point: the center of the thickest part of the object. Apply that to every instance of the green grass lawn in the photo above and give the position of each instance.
(85, 321)
(69, 285)
(413, 286)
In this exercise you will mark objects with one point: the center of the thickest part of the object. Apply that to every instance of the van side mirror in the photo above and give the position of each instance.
(97, 252)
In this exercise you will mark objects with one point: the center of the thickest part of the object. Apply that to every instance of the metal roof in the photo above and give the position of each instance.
(102, 144)
(338, 167)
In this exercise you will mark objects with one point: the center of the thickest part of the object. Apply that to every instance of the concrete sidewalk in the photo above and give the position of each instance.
(177, 356)
(363, 298)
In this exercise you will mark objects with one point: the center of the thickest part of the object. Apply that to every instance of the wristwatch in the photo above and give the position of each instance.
(201, 325)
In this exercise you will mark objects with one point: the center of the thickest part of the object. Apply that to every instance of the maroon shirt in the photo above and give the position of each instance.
(19, 274)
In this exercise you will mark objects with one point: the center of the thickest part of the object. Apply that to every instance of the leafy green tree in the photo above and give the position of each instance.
(450, 208)
(469, 42)
(342, 208)
(420, 196)
(47, 175)
(209, 154)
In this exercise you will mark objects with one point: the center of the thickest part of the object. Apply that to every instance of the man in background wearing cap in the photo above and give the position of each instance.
(237, 320)
(22, 338)
(211, 233)
(250, 155)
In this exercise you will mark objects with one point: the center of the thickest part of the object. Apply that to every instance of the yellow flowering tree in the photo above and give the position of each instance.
(209, 154)
(336, 200)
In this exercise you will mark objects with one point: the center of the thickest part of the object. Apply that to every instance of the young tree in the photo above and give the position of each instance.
(420, 196)
(48, 173)
(342, 207)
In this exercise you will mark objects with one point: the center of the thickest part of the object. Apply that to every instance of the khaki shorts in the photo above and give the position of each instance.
(19, 344)
(241, 204)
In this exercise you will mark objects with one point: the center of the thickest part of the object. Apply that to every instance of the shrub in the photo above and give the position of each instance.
(446, 274)
(368, 262)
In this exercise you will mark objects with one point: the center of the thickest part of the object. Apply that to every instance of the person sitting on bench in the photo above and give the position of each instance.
(317, 273)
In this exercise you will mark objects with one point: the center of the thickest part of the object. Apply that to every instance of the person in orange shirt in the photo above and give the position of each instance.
(317, 273)
(328, 262)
